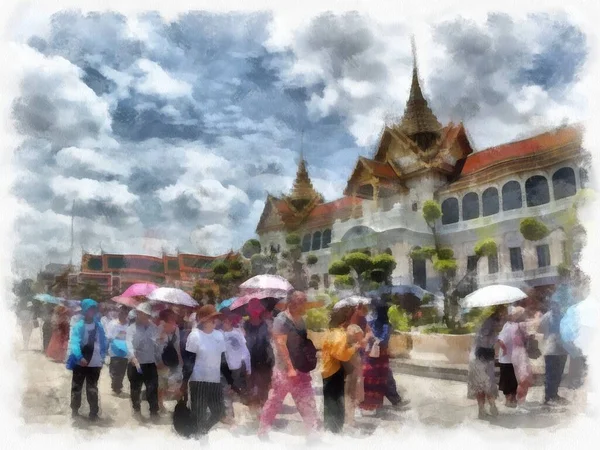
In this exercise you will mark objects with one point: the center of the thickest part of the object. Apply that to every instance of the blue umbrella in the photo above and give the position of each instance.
(579, 325)
(47, 298)
(226, 303)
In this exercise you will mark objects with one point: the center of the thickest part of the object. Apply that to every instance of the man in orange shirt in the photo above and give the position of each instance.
(339, 347)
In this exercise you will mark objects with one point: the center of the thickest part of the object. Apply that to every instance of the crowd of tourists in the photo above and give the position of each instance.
(208, 359)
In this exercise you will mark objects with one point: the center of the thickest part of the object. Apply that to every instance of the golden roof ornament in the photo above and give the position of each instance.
(303, 191)
(418, 120)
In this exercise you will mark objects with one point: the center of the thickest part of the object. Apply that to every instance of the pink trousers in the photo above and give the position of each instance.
(300, 388)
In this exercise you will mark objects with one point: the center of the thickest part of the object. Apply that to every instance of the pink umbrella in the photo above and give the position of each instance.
(139, 290)
(240, 303)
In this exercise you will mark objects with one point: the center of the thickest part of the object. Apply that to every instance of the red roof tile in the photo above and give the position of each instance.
(380, 170)
(542, 142)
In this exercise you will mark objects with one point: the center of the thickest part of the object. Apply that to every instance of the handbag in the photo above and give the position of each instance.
(485, 354)
(531, 346)
(170, 358)
(375, 351)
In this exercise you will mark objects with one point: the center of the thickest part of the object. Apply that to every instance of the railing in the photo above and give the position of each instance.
(519, 276)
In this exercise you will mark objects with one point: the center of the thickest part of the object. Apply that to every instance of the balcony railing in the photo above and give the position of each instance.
(519, 276)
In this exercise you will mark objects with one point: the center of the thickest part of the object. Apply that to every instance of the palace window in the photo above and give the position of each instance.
(537, 191)
(415, 206)
(316, 241)
(493, 264)
(470, 206)
(471, 281)
(326, 239)
(543, 255)
(306, 243)
(491, 202)
(419, 272)
(516, 259)
(563, 183)
(512, 198)
(450, 211)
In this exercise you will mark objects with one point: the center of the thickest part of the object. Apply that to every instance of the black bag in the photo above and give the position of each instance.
(303, 353)
(170, 358)
(87, 351)
(184, 422)
(532, 347)
(485, 354)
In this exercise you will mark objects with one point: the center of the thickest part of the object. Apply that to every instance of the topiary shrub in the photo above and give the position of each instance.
(487, 247)
(220, 268)
(358, 261)
(398, 318)
(343, 281)
(317, 319)
(311, 259)
(446, 253)
(339, 268)
(533, 229)
(251, 247)
(292, 239)
(432, 211)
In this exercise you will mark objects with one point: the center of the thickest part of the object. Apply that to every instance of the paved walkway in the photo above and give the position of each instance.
(433, 402)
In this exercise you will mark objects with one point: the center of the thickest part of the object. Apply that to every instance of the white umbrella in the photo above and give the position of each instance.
(271, 283)
(493, 295)
(173, 296)
(580, 324)
(353, 300)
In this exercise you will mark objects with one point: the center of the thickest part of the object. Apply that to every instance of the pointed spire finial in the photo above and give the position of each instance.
(418, 118)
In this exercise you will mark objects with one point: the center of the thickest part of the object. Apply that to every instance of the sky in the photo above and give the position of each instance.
(167, 134)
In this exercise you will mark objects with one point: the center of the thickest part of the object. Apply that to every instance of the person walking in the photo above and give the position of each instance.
(481, 378)
(117, 349)
(339, 347)
(46, 317)
(87, 353)
(295, 358)
(508, 383)
(172, 362)
(206, 391)
(59, 340)
(520, 358)
(377, 362)
(555, 356)
(143, 354)
(26, 318)
(258, 340)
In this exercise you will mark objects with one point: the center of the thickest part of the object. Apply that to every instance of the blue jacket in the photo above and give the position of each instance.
(77, 334)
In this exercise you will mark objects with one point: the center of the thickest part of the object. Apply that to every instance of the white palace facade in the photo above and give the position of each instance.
(483, 194)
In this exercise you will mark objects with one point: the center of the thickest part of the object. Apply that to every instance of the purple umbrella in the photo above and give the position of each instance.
(139, 290)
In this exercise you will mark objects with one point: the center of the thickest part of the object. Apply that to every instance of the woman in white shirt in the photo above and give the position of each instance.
(206, 391)
(117, 349)
(508, 381)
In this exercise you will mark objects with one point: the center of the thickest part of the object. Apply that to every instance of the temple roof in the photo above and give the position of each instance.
(418, 117)
(545, 141)
(303, 188)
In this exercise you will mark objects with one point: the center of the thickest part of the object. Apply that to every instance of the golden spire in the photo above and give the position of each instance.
(418, 119)
(303, 191)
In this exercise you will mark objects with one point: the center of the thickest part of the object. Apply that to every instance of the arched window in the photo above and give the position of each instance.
(326, 239)
(584, 178)
(563, 183)
(316, 240)
(419, 272)
(491, 202)
(537, 191)
(306, 243)
(470, 206)
(449, 211)
(512, 198)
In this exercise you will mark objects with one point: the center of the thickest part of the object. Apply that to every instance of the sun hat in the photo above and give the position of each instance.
(206, 313)
(145, 308)
(88, 304)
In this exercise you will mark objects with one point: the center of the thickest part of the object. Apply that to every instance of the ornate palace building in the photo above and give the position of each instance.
(483, 194)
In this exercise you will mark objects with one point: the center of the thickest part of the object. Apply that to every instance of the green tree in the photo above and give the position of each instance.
(361, 271)
(228, 274)
(444, 263)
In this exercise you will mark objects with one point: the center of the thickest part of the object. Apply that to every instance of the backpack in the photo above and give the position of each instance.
(303, 353)
(170, 358)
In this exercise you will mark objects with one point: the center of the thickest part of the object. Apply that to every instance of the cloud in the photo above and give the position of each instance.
(156, 81)
(178, 129)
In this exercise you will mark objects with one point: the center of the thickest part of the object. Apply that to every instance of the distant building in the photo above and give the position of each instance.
(115, 273)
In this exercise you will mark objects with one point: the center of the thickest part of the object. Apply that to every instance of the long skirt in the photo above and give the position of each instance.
(508, 381)
(481, 379)
(375, 375)
(57, 347)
